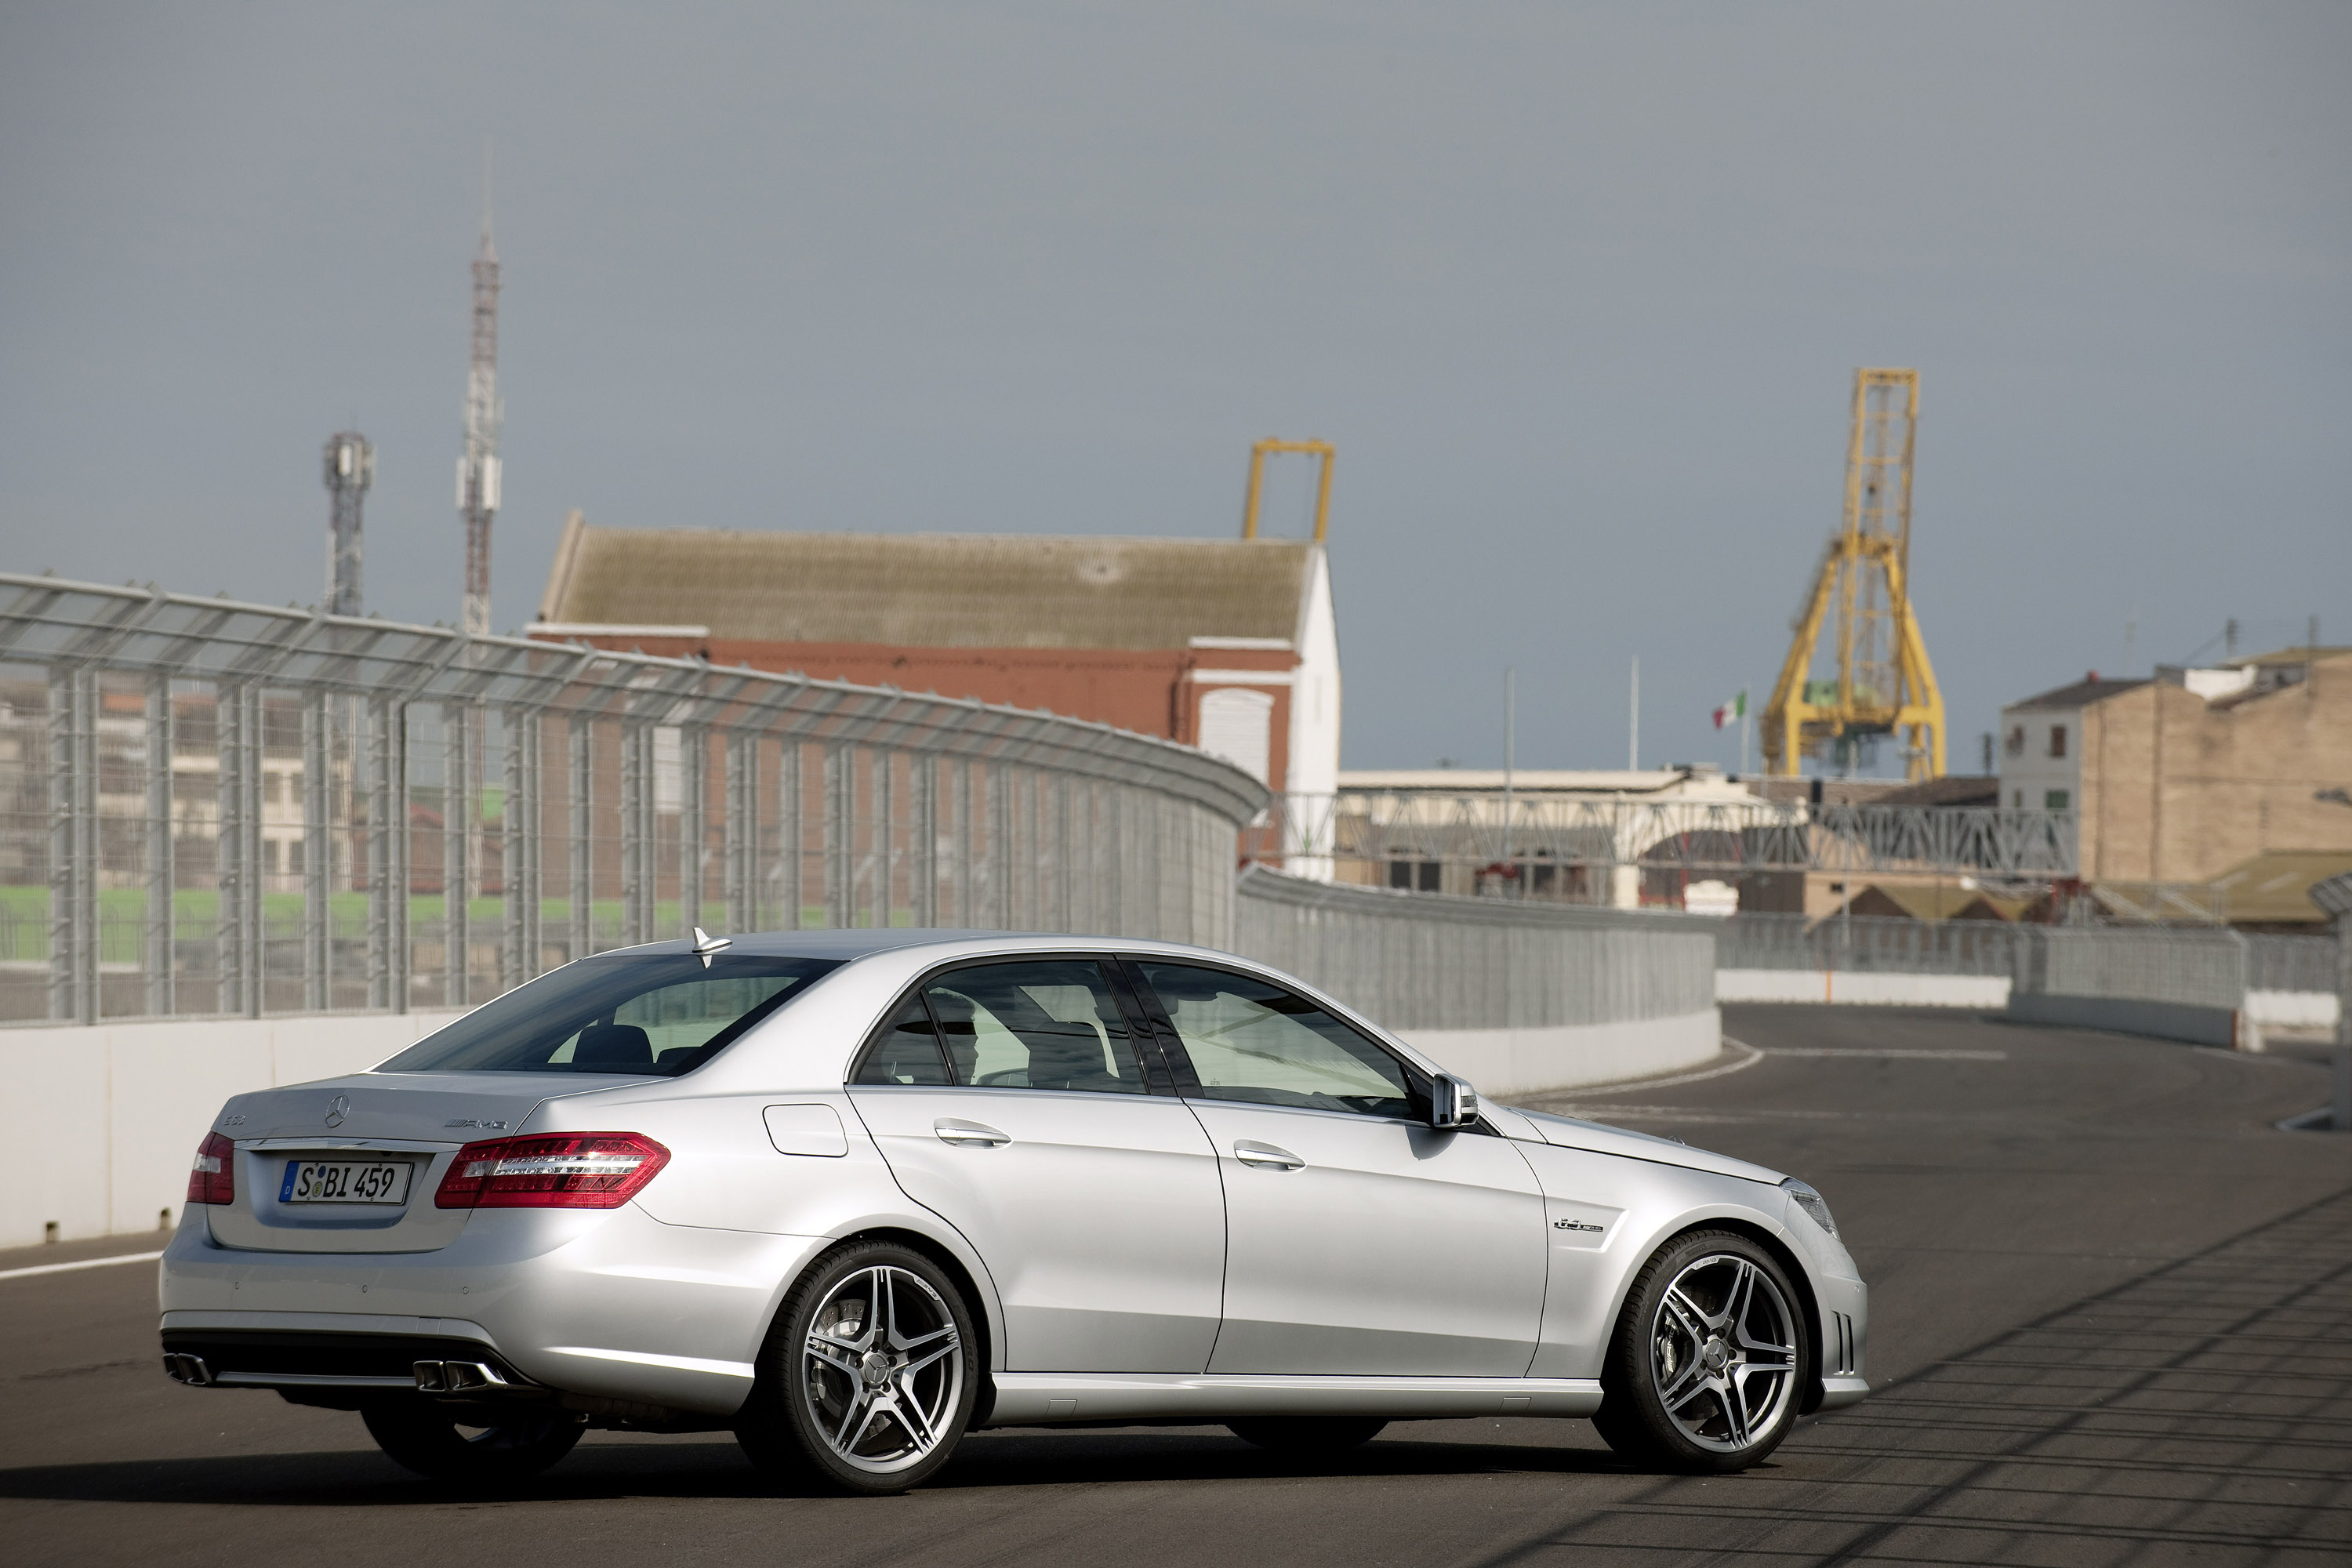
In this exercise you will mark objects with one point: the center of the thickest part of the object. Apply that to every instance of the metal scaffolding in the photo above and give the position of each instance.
(236, 810)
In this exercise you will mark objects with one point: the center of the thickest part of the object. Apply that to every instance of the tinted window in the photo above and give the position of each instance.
(1039, 1023)
(908, 1049)
(1255, 1042)
(654, 1016)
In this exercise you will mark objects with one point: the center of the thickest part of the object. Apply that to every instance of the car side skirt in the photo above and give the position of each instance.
(1035, 1399)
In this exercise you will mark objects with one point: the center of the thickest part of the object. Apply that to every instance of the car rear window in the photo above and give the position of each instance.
(645, 1016)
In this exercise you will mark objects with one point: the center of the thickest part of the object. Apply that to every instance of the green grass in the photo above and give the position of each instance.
(195, 916)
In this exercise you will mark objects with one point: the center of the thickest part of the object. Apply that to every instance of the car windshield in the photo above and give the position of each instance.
(652, 1016)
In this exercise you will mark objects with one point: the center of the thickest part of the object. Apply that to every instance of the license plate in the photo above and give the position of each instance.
(345, 1182)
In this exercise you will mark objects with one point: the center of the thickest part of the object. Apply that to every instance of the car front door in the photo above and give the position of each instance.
(1011, 1099)
(1358, 1238)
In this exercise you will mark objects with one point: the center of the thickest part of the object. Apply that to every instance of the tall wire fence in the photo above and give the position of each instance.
(1868, 944)
(2206, 966)
(1431, 960)
(209, 808)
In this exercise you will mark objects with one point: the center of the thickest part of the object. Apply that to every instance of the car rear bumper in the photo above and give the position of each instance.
(611, 1305)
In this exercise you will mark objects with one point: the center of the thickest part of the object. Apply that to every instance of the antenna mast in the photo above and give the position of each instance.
(351, 467)
(477, 470)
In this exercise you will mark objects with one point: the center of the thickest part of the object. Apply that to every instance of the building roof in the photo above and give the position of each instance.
(2272, 889)
(932, 589)
(2275, 887)
(1938, 901)
(2081, 694)
(1674, 782)
(1952, 791)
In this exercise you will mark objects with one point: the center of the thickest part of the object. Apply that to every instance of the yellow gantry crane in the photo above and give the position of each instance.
(1884, 683)
(1313, 448)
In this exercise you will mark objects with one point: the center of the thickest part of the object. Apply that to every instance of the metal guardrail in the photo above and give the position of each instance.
(1429, 961)
(218, 808)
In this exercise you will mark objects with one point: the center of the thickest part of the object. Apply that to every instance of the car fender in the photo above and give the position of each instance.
(1606, 1215)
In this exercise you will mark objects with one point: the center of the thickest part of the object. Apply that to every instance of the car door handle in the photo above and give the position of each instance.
(1267, 1155)
(955, 1131)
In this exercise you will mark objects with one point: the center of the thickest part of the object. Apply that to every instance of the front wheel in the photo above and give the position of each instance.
(867, 1379)
(425, 1437)
(1703, 1371)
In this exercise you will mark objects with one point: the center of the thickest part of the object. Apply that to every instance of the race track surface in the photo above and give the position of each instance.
(2112, 1323)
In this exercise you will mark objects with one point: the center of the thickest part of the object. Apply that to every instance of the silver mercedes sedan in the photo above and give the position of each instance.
(851, 1195)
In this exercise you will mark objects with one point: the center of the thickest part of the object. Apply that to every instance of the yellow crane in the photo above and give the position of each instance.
(1313, 448)
(1883, 683)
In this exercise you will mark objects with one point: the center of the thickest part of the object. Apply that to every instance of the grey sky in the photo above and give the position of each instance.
(1577, 291)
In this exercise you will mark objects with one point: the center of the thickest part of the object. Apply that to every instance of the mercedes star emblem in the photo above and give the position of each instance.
(337, 1109)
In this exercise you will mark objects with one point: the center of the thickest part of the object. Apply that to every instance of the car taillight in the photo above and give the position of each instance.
(552, 1170)
(212, 1178)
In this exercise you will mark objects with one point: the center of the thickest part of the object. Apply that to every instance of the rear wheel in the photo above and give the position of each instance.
(1702, 1372)
(866, 1381)
(1307, 1434)
(429, 1439)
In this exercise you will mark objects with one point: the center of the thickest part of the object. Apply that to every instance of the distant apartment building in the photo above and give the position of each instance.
(2180, 777)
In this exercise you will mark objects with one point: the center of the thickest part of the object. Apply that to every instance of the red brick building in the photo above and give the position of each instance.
(1228, 645)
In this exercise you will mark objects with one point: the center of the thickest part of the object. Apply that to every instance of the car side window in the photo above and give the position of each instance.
(1252, 1041)
(1035, 1024)
(906, 1051)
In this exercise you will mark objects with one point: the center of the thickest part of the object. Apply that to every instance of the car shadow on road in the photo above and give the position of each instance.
(717, 1470)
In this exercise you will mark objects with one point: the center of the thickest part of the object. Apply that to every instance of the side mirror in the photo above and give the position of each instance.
(1453, 1103)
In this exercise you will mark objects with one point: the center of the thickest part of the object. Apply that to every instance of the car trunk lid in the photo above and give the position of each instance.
(311, 1159)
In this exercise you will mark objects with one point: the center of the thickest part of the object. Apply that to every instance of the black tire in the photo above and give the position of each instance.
(427, 1438)
(902, 1416)
(1308, 1433)
(1710, 1380)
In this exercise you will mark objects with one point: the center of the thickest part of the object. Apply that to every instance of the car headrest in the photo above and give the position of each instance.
(613, 1045)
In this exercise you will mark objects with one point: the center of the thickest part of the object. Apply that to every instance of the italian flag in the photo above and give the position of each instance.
(1734, 709)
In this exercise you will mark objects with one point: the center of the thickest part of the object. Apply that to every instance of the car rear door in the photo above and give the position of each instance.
(1358, 1238)
(1011, 1099)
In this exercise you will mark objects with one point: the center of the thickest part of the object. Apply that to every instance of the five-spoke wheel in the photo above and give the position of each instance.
(868, 1377)
(1703, 1373)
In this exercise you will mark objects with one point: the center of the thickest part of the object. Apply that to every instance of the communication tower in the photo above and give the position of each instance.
(350, 469)
(477, 470)
(1882, 682)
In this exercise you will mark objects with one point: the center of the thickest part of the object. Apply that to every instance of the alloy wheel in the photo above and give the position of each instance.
(1723, 1353)
(882, 1369)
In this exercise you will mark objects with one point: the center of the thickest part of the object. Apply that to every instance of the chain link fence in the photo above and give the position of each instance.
(213, 808)
(1868, 944)
(1431, 960)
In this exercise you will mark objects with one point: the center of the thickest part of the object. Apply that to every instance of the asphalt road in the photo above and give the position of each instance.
(2111, 1323)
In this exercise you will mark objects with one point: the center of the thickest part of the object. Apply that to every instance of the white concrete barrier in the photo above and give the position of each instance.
(1504, 1062)
(108, 1117)
(1859, 988)
(2293, 1009)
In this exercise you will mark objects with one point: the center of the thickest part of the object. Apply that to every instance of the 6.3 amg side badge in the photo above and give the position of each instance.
(1574, 1224)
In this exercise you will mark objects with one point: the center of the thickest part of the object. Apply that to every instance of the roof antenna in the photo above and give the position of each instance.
(706, 944)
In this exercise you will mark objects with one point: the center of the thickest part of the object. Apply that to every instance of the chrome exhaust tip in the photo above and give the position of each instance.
(459, 1378)
(188, 1369)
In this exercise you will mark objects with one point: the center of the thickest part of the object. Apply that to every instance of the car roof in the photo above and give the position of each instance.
(865, 944)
